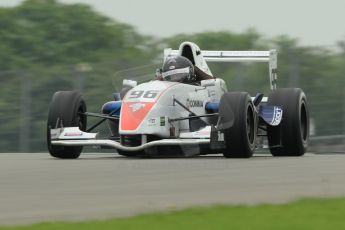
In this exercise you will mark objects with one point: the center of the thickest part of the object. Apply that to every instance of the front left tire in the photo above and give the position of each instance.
(66, 108)
(238, 123)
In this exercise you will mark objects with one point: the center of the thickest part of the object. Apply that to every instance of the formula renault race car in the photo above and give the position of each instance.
(175, 118)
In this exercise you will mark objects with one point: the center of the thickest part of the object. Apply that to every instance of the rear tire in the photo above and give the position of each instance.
(290, 137)
(240, 129)
(66, 107)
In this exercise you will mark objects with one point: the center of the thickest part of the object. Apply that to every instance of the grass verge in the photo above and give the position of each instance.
(303, 214)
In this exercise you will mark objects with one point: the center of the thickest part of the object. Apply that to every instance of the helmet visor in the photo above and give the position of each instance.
(177, 75)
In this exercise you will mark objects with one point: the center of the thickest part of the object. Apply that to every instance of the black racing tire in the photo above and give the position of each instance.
(240, 130)
(291, 136)
(65, 107)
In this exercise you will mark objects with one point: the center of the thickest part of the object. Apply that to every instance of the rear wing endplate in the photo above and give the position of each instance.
(269, 56)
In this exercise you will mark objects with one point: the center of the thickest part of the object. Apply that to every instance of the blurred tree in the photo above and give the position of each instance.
(48, 46)
(41, 32)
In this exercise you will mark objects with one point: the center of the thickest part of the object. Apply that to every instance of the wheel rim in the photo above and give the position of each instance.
(250, 125)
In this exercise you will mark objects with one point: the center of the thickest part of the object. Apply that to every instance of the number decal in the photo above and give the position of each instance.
(150, 94)
(136, 94)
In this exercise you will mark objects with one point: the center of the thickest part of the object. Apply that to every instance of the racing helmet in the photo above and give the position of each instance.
(178, 69)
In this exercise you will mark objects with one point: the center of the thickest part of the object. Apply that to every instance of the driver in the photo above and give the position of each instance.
(180, 69)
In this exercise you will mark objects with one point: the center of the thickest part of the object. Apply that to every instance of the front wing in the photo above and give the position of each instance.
(73, 136)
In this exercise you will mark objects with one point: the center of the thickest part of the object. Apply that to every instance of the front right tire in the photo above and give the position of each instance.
(290, 137)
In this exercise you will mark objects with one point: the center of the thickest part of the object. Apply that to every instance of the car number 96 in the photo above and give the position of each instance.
(150, 94)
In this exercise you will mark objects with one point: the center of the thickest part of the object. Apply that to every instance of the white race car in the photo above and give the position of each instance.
(171, 117)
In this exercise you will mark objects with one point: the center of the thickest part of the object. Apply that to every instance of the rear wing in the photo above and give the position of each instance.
(269, 56)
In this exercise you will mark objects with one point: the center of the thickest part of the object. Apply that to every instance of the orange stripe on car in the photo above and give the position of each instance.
(133, 113)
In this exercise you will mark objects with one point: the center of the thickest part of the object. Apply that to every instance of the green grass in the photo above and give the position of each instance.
(302, 214)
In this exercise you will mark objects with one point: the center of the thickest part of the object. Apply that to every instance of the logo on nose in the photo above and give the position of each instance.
(137, 106)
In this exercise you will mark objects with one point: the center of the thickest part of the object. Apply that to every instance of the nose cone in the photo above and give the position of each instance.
(138, 103)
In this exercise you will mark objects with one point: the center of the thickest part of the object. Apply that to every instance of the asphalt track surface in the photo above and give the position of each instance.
(36, 187)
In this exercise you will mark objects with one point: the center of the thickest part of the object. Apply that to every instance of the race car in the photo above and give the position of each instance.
(172, 116)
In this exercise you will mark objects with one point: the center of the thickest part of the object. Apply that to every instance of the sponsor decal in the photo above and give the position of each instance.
(162, 121)
(277, 116)
(194, 103)
(172, 67)
(74, 134)
(152, 122)
(137, 106)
